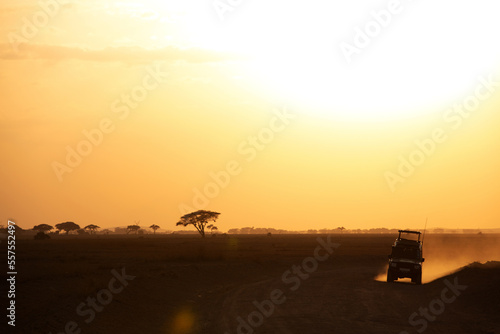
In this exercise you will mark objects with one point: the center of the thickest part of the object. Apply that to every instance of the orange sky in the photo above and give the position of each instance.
(255, 112)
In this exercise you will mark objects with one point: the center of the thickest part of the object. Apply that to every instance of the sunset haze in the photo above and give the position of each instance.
(114, 112)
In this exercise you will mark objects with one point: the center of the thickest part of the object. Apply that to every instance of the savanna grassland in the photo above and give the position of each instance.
(253, 284)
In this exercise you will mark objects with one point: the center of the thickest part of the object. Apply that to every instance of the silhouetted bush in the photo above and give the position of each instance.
(41, 236)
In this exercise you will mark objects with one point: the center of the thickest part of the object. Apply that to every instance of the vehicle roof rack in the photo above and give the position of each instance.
(408, 231)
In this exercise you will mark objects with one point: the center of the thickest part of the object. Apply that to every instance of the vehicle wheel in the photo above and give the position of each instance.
(390, 278)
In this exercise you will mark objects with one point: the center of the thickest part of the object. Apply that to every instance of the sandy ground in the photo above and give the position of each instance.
(253, 284)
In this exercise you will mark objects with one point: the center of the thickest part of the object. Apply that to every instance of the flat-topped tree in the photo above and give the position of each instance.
(200, 219)
(212, 228)
(43, 228)
(133, 228)
(154, 227)
(92, 228)
(67, 226)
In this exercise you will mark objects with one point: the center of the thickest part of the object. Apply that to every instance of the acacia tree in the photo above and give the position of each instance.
(200, 219)
(92, 228)
(133, 228)
(43, 228)
(341, 228)
(67, 226)
(212, 228)
(154, 227)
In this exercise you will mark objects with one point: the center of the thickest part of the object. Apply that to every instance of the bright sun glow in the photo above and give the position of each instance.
(272, 113)
(412, 64)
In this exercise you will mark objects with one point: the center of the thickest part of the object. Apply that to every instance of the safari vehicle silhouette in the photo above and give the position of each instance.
(406, 257)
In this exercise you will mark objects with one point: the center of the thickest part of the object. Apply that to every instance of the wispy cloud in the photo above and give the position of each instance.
(113, 54)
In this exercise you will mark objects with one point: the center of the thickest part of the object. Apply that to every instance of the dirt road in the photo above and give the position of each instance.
(349, 300)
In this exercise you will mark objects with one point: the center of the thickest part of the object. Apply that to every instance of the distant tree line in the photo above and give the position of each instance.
(258, 230)
(203, 222)
(69, 227)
